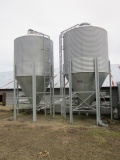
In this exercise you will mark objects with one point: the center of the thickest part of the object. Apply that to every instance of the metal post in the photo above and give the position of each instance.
(53, 101)
(62, 100)
(17, 99)
(97, 91)
(111, 109)
(14, 93)
(51, 77)
(53, 93)
(34, 93)
(70, 93)
(50, 96)
(64, 104)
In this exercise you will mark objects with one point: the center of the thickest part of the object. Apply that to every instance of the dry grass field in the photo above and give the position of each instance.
(56, 139)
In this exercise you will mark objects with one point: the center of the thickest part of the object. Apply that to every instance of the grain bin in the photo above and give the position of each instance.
(29, 50)
(82, 45)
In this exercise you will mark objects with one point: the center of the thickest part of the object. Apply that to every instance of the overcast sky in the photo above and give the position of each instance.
(53, 16)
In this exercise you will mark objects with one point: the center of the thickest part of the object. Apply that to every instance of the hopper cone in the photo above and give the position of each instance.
(25, 83)
(85, 81)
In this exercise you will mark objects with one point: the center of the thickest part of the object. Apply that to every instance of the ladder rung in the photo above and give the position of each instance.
(46, 51)
(46, 56)
(47, 62)
(42, 92)
(47, 72)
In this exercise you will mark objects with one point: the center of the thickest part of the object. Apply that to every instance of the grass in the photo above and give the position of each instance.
(56, 139)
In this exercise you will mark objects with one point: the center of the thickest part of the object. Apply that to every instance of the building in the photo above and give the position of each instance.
(6, 86)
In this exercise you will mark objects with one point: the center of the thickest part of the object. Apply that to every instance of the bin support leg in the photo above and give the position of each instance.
(34, 93)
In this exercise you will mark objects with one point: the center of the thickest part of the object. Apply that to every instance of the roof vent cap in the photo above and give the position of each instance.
(84, 24)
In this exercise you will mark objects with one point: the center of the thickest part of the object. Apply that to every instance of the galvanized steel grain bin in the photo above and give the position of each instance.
(30, 49)
(82, 45)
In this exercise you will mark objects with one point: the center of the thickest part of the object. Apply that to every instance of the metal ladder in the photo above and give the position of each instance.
(61, 61)
(61, 69)
(47, 71)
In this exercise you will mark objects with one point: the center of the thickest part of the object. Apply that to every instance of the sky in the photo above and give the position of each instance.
(52, 17)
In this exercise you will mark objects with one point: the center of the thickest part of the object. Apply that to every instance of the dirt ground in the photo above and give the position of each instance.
(55, 139)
